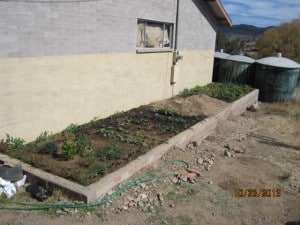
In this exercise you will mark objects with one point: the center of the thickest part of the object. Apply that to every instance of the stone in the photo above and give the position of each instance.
(130, 198)
(207, 167)
(210, 161)
(175, 180)
(253, 108)
(210, 182)
(172, 205)
(227, 153)
(141, 204)
(200, 161)
(143, 185)
(160, 197)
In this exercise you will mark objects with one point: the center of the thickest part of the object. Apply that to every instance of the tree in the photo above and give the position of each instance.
(284, 38)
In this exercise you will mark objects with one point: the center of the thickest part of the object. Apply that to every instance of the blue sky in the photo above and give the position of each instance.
(262, 13)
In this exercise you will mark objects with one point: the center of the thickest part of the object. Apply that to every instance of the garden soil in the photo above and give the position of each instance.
(249, 175)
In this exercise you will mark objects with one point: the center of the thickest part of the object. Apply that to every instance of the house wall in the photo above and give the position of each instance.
(68, 62)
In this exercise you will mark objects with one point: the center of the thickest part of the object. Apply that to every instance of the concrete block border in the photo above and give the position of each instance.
(97, 190)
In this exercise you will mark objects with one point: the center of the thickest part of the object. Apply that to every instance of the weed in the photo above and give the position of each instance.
(97, 169)
(69, 149)
(109, 152)
(106, 132)
(83, 145)
(14, 143)
(49, 148)
(69, 132)
(44, 136)
(117, 114)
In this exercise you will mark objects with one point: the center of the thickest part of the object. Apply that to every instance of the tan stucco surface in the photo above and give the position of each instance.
(50, 93)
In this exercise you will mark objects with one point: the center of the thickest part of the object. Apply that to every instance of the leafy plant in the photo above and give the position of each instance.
(49, 148)
(83, 144)
(97, 169)
(110, 152)
(14, 143)
(44, 136)
(166, 112)
(224, 91)
(69, 149)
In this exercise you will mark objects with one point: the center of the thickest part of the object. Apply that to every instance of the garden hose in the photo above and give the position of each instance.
(148, 177)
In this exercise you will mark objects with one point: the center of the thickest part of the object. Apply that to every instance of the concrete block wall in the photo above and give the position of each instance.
(64, 62)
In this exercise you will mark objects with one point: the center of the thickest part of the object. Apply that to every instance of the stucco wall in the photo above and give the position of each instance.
(68, 62)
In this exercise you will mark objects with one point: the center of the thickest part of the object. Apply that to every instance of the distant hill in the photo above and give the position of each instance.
(243, 32)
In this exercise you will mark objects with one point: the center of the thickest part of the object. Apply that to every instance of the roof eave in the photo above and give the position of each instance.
(220, 13)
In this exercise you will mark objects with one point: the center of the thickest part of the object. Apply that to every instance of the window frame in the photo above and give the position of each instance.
(157, 49)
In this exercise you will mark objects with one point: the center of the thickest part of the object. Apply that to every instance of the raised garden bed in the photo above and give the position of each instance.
(87, 152)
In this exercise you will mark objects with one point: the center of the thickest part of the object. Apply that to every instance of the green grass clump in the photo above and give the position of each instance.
(223, 91)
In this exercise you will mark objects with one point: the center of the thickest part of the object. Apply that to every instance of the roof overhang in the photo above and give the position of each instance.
(219, 12)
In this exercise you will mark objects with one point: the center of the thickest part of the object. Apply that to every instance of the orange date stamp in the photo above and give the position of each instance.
(240, 192)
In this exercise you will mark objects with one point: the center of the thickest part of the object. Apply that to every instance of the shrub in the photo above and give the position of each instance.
(83, 145)
(69, 149)
(49, 148)
(14, 143)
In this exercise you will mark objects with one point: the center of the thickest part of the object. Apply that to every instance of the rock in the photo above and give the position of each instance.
(130, 198)
(210, 161)
(120, 207)
(125, 207)
(200, 161)
(141, 204)
(210, 182)
(254, 107)
(207, 167)
(143, 185)
(88, 213)
(160, 197)
(131, 204)
(143, 196)
(237, 150)
(227, 153)
(175, 180)
(172, 205)
(212, 155)
(110, 192)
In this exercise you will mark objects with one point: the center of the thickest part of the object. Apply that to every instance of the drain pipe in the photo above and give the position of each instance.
(176, 56)
(176, 24)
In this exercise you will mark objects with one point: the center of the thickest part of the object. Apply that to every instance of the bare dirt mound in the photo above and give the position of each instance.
(193, 105)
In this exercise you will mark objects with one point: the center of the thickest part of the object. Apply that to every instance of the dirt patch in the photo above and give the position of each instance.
(193, 105)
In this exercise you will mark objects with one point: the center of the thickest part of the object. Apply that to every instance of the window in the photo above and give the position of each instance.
(152, 34)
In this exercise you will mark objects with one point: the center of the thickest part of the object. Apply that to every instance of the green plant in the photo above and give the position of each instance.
(106, 132)
(49, 148)
(69, 149)
(44, 136)
(166, 112)
(109, 152)
(83, 145)
(224, 91)
(14, 143)
(97, 169)
(69, 132)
